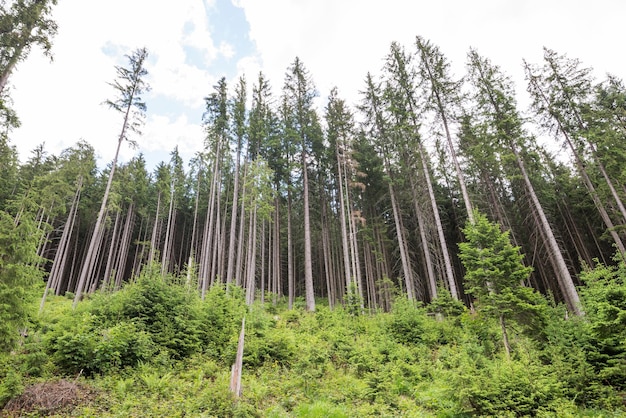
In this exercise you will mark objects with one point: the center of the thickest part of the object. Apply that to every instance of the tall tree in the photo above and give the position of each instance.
(300, 92)
(216, 122)
(551, 103)
(495, 99)
(443, 96)
(25, 24)
(377, 128)
(239, 128)
(129, 85)
(405, 108)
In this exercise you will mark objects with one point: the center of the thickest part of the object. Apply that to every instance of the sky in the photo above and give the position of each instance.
(194, 43)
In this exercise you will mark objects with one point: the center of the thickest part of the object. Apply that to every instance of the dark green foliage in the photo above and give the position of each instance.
(495, 274)
(445, 304)
(408, 323)
(604, 298)
(353, 303)
(78, 345)
(510, 389)
(166, 312)
(149, 316)
(10, 386)
(18, 274)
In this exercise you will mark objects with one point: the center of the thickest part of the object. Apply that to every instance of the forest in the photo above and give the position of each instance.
(433, 250)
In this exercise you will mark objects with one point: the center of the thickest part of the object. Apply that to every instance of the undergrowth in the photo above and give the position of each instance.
(156, 349)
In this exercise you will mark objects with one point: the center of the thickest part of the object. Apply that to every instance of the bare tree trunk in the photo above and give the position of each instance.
(155, 230)
(240, 238)
(343, 214)
(112, 250)
(167, 246)
(564, 278)
(209, 235)
(406, 268)
(290, 262)
(505, 337)
(250, 288)
(440, 233)
(276, 253)
(421, 224)
(60, 258)
(237, 369)
(308, 266)
(125, 246)
(233, 225)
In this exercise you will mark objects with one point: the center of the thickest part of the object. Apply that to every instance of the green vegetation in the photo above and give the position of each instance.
(336, 240)
(155, 348)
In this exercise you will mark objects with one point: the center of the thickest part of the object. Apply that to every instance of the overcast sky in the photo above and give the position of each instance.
(193, 43)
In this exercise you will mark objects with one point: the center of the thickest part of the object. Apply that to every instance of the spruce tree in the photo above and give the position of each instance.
(129, 85)
(494, 275)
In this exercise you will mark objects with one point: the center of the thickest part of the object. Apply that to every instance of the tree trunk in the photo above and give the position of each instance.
(308, 266)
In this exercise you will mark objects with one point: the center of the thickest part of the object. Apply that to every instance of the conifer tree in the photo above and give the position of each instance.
(494, 275)
(18, 272)
(494, 95)
(129, 85)
(25, 24)
(299, 93)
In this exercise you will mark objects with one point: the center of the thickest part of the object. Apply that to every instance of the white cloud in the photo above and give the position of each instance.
(164, 133)
(340, 41)
(60, 102)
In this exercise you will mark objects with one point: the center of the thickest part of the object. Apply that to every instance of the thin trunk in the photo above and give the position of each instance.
(564, 278)
(444, 119)
(308, 266)
(240, 238)
(263, 263)
(167, 246)
(408, 276)
(125, 248)
(233, 223)
(421, 223)
(276, 253)
(343, 215)
(155, 229)
(60, 258)
(505, 337)
(192, 250)
(99, 221)
(326, 254)
(290, 262)
(112, 250)
(250, 288)
(440, 233)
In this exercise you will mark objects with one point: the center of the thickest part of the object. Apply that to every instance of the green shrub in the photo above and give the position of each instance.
(78, 345)
(509, 388)
(322, 409)
(220, 318)
(166, 311)
(408, 322)
(10, 386)
(273, 345)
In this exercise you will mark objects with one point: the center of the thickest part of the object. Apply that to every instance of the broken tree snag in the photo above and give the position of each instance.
(235, 378)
